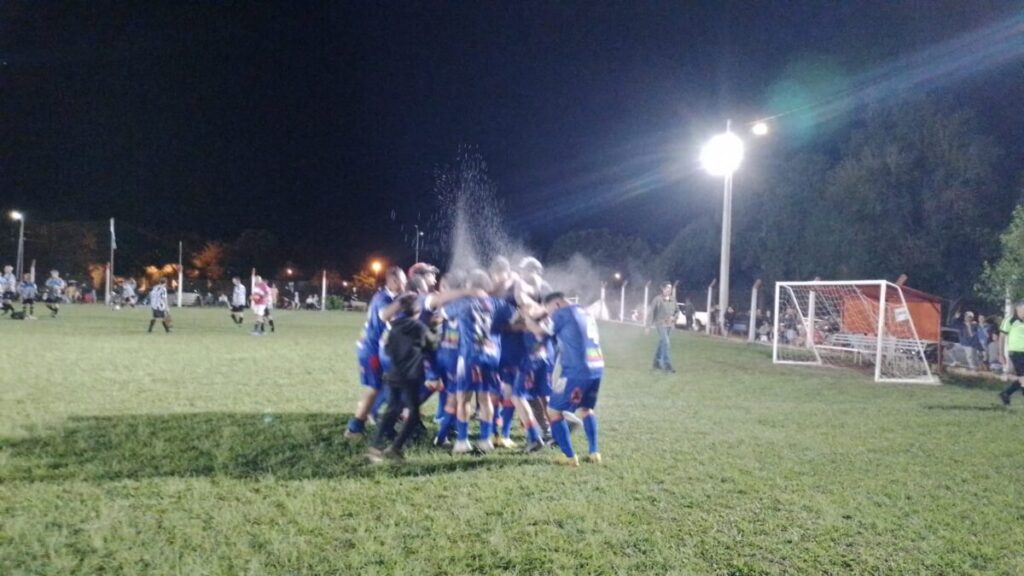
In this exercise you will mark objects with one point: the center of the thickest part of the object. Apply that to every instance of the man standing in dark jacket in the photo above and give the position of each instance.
(663, 317)
(407, 344)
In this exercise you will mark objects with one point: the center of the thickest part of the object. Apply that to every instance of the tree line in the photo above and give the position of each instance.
(916, 189)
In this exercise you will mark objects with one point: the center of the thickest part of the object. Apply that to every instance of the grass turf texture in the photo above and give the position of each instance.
(213, 452)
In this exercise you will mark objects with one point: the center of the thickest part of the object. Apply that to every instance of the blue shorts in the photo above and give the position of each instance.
(533, 382)
(371, 374)
(508, 376)
(572, 394)
(469, 378)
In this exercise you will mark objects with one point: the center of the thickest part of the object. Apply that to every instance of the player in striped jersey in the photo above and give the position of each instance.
(158, 304)
(28, 293)
(238, 301)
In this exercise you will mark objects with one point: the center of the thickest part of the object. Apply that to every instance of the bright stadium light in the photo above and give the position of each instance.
(618, 276)
(376, 266)
(759, 129)
(722, 155)
(15, 215)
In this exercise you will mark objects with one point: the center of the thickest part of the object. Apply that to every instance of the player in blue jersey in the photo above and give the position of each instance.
(577, 387)
(55, 287)
(368, 349)
(447, 356)
(479, 352)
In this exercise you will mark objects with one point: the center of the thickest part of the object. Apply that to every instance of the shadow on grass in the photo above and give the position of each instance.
(968, 408)
(975, 381)
(283, 446)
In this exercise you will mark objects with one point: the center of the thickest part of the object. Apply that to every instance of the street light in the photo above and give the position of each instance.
(721, 156)
(759, 129)
(20, 264)
(419, 235)
(618, 276)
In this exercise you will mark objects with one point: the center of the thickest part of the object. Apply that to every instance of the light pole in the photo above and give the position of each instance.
(418, 236)
(20, 264)
(721, 156)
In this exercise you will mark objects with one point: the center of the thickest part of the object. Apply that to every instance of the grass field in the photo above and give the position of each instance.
(212, 452)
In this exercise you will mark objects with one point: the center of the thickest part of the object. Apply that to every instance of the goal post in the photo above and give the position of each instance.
(872, 324)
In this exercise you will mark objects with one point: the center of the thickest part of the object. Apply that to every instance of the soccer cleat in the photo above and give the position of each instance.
(563, 460)
(375, 456)
(484, 446)
(442, 443)
(462, 447)
(593, 458)
(1004, 398)
(533, 447)
(505, 443)
(393, 455)
(350, 435)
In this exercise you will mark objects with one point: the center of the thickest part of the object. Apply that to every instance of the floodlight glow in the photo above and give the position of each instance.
(618, 276)
(759, 129)
(15, 215)
(722, 155)
(375, 266)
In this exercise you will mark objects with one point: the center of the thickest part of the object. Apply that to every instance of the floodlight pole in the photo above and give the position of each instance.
(723, 272)
(181, 274)
(622, 302)
(752, 319)
(20, 264)
(690, 322)
(647, 288)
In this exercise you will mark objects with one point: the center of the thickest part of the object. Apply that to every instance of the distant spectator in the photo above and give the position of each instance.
(690, 311)
(969, 339)
(984, 338)
(730, 320)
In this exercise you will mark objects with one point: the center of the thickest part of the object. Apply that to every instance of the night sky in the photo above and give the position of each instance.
(316, 120)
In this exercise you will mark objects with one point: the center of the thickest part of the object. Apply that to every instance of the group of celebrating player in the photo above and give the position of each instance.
(26, 292)
(486, 342)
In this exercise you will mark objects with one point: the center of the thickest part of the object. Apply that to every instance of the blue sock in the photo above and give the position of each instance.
(462, 430)
(442, 399)
(486, 429)
(382, 397)
(446, 425)
(590, 427)
(533, 433)
(506, 420)
(356, 426)
(560, 430)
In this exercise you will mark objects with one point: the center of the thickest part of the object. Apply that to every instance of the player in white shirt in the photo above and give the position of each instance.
(128, 295)
(268, 315)
(260, 295)
(158, 304)
(8, 289)
(238, 302)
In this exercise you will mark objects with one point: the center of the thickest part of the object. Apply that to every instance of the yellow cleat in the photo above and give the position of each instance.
(563, 460)
(593, 458)
(505, 443)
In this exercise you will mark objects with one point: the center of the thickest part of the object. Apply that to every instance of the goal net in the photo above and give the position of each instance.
(873, 324)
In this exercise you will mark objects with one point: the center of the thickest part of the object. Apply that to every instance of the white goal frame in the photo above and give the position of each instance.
(875, 348)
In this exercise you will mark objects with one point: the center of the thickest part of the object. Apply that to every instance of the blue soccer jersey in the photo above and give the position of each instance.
(513, 347)
(579, 346)
(448, 350)
(477, 344)
(55, 287)
(368, 344)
